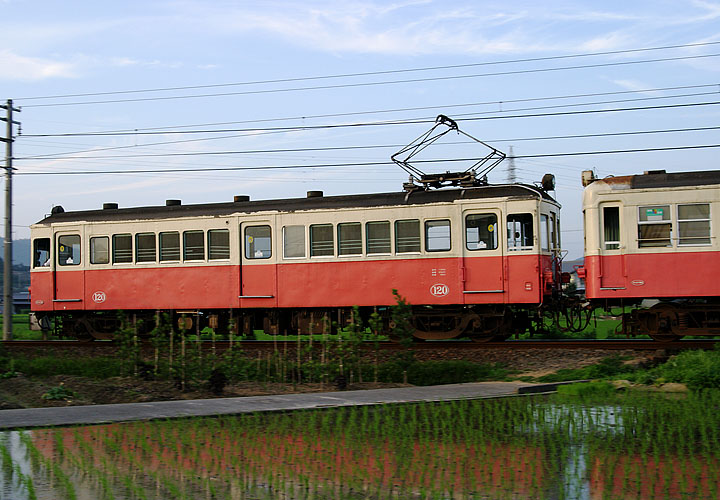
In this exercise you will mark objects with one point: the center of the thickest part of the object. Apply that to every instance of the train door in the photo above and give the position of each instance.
(258, 272)
(482, 257)
(68, 276)
(612, 260)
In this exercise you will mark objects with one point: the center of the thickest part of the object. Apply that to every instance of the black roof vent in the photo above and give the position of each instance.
(57, 209)
(654, 172)
(314, 194)
(110, 206)
(241, 198)
(172, 203)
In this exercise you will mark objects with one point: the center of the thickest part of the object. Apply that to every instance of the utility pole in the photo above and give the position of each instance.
(8, 289)
(512, 177)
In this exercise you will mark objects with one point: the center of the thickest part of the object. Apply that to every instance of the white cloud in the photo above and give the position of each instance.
(22, 68)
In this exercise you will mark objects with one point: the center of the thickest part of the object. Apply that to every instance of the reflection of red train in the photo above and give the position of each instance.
(331, 461)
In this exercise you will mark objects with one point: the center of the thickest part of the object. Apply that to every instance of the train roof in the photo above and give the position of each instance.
(300, 204)
(662, 179)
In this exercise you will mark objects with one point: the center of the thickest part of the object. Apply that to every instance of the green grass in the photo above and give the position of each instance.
(21, 328)
(47, 366)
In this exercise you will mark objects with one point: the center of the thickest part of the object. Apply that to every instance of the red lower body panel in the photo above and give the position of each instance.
(677, 274)
(514, 279)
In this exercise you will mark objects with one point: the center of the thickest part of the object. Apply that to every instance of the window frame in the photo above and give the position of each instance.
(37, 255)
(523, 225)
(357, 244)
(245, 242)
(649, 242)
(494, 231)
(303, 240)
(93, 253)
(680, 238)
(60, 253)
(162, 249)
(185, 234)
(397, 238)
(331, 245)
(138, 250)
(389, 238)
(609, 245)
(224, 255)
(116, 237)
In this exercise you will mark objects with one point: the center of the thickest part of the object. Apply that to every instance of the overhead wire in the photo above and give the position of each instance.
(59, 156)
(382, 72)
(372, 124)
(388, 82)
(351, 164)
(181, 141)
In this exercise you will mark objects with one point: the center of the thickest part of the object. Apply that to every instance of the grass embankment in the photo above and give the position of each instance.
(696, 369)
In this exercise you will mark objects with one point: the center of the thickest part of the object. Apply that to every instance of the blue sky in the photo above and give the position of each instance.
(50, 48)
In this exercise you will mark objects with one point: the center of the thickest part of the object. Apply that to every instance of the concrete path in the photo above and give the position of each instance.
(98, 414)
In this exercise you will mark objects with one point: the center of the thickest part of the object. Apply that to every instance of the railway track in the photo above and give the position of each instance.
(264, 345)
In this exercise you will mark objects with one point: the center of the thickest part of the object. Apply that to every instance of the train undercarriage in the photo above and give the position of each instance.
(480, 323)
(662, 321)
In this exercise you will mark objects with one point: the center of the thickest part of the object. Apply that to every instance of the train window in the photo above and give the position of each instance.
(694, 224)
(170, 246)
(407, 236)
(654, 226)
(520, 232)
(218, 244)
(611, 227)
(100, 250)
(349, 238)
(193, 245)
(41, 252)
(258, 243)
(437, 235)
(122, 248)
(378, 237)
(145, 247)
(544, 232)
(293, 242)
(481, 232)
(69, 250)
(321, 240)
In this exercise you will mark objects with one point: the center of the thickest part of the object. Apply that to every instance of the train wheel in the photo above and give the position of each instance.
(82, 331)
(441, 325)
(663, 323)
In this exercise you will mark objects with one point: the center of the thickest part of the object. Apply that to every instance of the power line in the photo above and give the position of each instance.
(169, 129)
(375, 73)
(60, 156)
(364, 164)
(367, 124)
(386, 82)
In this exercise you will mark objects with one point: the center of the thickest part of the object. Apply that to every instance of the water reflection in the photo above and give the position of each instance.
(521, 450)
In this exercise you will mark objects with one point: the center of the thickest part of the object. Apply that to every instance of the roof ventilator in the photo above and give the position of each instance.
(172, 203)
(110, 206)
(314, 194)
(240, 198)
(475, 175)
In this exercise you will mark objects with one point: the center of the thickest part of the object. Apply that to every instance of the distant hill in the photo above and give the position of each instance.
(21, 251)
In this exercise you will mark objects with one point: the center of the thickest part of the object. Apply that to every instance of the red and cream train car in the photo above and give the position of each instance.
(476, 261)
(653, 237)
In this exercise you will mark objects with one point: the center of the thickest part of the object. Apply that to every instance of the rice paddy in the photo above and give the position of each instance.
(630, 446)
